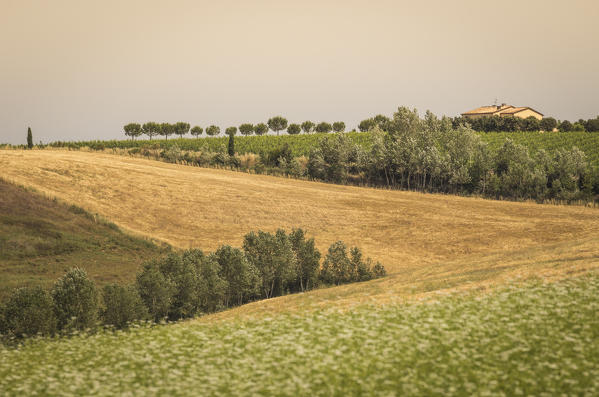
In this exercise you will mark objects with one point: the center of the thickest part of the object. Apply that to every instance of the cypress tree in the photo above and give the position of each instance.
(29, 138)
(231, 147)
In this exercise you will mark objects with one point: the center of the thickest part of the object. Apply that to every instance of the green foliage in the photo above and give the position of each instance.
(166, 129)
(366, 125)
(212, 130)
(133, 130)
(324, 127)
(261, 129)
(578, 126)
(338, 126)
(294, 129)
(151, 129)
(548, 124)
(273, 256)
(29, 138)
(242, 277)
(246, 129)
(231, 144)
(197, 131)
(277, 123)
(28, 311)
(565, 126)
(308, 260)
(339, 268)
(75, 301)
(156, 291)
(308, 126)
(181, 128)
(231, 131)
(122, 306)
(536, 339)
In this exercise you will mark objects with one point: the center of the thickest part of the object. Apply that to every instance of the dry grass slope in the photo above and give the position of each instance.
(427, 242)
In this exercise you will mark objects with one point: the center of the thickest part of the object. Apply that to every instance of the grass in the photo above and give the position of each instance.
(40, 238)
(536, 339)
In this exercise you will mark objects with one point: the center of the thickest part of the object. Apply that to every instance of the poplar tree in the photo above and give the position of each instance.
(29, 138)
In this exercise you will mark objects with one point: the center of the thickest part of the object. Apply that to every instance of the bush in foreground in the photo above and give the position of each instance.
(75, 301)
(28, 312)
(122, 306)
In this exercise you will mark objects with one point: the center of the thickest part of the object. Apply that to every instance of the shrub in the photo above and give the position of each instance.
(122, 306)
(75, 301)
(28, 311)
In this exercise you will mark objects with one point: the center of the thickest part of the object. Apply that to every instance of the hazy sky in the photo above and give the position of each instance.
(81, 69)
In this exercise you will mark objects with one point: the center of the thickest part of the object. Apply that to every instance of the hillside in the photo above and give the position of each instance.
(427, 242)
(539, 339)
(40, 238)
(302, 144)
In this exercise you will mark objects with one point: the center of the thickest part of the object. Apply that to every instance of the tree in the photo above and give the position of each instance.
(151, 129)
(277, 123)
(246, 129)
(578, 126)
(243, 280)
(27, 312)
(181, 128)
(122, 306)
(211, 288)
(166, 129)
(133, 130)
(231, 143)
(308, 126)
(294, 129)
(308, 260)
(231, 131)
(261, 129)
(75, 301)
(565, 126)
(156, 290)
(336, 268)
(213, 130)
(324, 127)
(366, 125)
(339, 126)
(592, 125)
(548, 124)
(273, 256)
(197, 131)
(29, 138)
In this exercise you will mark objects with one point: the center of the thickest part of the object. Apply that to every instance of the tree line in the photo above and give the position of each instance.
(187, 284)
(279, 123)
(275, 124)
(426, 154)
(434, 155)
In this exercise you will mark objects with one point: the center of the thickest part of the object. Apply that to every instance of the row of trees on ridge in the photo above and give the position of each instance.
(275, 124)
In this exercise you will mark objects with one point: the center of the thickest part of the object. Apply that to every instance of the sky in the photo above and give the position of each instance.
(80, 70)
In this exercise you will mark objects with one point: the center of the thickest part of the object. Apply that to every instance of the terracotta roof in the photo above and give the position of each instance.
(518, 110)
(504, 109)
(512, 110)
(483, 110)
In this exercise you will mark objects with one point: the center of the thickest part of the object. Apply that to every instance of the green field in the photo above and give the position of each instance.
(301, 145)
(41, 238)
(539, 339)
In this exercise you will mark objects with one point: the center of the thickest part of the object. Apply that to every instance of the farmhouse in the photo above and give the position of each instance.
(503, 110)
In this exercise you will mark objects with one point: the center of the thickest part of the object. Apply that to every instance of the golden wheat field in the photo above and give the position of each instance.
(427, 242)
